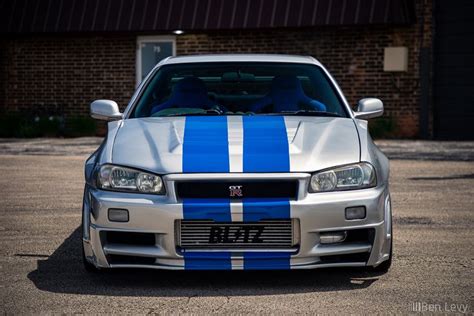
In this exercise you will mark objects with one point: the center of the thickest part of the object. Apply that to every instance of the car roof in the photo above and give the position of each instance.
(240, 58)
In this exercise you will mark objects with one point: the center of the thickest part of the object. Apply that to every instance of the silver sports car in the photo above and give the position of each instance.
(224, 162)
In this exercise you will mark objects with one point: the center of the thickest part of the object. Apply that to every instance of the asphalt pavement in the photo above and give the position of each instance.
(41, 269)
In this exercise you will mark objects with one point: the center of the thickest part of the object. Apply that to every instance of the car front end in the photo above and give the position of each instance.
(236, 192)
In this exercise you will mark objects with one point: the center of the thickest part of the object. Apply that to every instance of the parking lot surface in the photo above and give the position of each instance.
(41, 268)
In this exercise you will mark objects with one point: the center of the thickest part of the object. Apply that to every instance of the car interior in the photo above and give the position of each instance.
(236, 91)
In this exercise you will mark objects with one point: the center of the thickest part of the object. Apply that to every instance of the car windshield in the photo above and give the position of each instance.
(237, 88)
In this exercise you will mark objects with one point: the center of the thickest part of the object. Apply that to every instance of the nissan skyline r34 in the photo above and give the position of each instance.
(228, 162)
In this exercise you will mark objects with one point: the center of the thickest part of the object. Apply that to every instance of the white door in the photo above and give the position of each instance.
(150, 51)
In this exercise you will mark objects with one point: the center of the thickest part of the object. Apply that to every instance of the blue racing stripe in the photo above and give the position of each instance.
(206, 149)
(205, 144)
(256, 209)
(217, 210)
(266, 260)
(265, 144)
(265, 150)
(207, 261)
(211, 209)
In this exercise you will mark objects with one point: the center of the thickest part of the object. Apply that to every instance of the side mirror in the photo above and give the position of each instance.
(106, 110)
(369, 108)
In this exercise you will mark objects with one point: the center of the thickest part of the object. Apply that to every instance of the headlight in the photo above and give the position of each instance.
(357, 176)
(117, 178)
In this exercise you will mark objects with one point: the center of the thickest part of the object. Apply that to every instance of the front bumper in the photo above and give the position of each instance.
(314, 214)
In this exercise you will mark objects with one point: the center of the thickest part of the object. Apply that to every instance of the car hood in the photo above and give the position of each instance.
(171, 145)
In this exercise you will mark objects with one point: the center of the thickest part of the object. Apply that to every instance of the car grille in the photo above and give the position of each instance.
(268, 234)
(246, 189)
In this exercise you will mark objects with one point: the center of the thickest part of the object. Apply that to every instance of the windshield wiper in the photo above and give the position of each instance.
(200, 113)
(306, 113)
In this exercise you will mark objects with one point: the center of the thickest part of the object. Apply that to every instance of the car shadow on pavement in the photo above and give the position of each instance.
(62, 272)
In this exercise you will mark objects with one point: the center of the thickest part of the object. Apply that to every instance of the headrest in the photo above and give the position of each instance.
(190, 85)
(280, 83)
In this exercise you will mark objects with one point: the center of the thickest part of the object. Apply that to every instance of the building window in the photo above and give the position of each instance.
(150, 50)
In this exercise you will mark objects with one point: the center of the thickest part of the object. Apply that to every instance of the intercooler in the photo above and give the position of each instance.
(265, 234)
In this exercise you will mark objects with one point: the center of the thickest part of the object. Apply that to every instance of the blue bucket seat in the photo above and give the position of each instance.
(286, 94)
(189, 92)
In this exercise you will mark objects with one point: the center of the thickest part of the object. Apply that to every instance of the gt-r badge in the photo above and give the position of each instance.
(235, 190)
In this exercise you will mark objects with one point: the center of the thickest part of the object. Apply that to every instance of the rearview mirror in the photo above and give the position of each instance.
(106, 110)
(369, 108)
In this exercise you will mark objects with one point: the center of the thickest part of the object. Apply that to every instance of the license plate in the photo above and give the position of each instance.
(224, 234)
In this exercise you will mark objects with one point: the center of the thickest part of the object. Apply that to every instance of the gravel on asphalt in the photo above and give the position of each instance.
(41, 269)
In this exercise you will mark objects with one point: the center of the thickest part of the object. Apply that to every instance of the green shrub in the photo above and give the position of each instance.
(27, 130)
(49, 126)
(23, 126)
(80, 126)
(383, 127)
(17, 125)
(10, 125)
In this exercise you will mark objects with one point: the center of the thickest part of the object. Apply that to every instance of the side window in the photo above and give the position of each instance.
(150, 51)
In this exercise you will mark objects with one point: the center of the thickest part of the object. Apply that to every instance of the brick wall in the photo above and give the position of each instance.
(65, 73)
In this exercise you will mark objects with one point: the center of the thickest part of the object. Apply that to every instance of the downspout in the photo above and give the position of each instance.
(425, 67)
